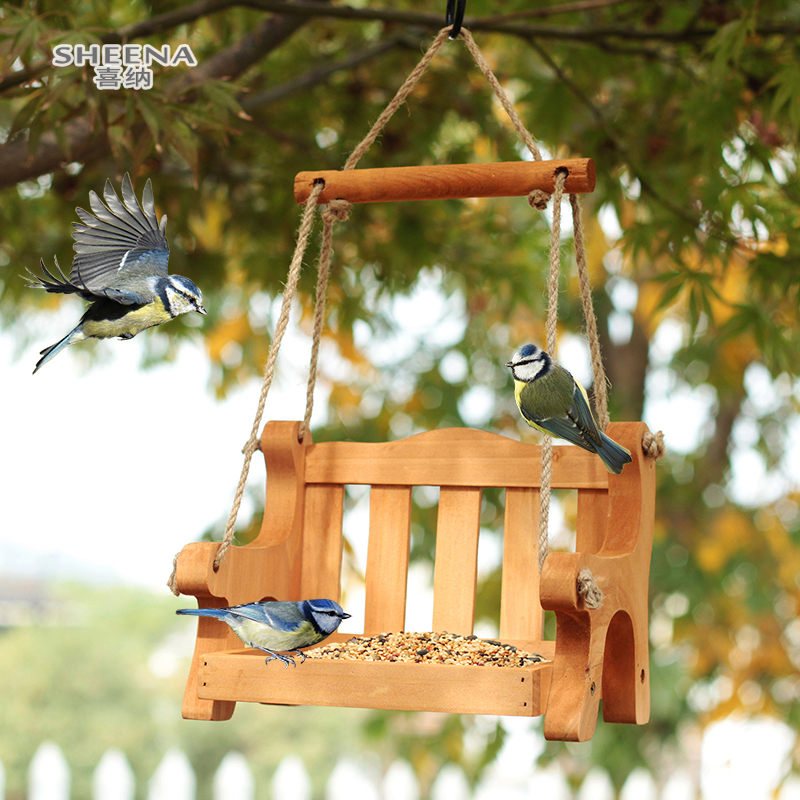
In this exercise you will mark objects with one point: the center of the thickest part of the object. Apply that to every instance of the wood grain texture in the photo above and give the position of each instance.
(455, 568)
(387, 558)
(600, 653)
(451, 457)
(322, 551)
(446, 181)
(521, 614)
(604, 653)
(518, 691)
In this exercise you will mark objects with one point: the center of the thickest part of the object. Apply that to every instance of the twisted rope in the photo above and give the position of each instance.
(397, 100)
(598, 370)
(336, 210)
(411, 82)
(252, 444)
(550, 347)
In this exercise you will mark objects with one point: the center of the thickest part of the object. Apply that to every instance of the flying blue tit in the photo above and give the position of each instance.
(552, 401)
(120, 266)
(278, 624)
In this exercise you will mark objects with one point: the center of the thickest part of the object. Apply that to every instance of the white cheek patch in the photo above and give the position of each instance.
(528, 370)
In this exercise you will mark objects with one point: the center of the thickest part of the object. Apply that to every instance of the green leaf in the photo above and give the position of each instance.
(28, 112)
(222, 95)
(728, 44)
(151, 114)
(787, 94)
(184, 142)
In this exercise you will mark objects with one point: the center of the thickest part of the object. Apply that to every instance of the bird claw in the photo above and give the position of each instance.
(278, 657)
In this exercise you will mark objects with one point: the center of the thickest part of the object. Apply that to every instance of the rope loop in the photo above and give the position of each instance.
(336, 210)
(588, 589)
(653, 445)
(538, 199)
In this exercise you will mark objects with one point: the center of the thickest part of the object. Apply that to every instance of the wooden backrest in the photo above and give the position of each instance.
(462, 462)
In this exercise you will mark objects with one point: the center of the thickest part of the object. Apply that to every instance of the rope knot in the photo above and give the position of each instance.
(538, 199)
(336, 210)
(653, 445)
(250, 447)
(588, 589)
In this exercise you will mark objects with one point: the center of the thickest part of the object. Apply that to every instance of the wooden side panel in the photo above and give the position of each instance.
(521, 614)
(604, 652)
(592, 520)
(520, 691)
(322, 543)
(456, 562)
(387, 558)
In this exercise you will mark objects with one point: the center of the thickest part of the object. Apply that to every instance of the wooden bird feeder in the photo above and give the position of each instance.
(601, 653)
(597, 654)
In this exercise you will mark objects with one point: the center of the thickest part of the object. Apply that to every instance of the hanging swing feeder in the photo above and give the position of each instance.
(298, 554)
(600, 649)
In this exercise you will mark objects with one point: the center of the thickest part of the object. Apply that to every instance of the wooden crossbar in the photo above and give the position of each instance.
(446, 181)
(298, 554)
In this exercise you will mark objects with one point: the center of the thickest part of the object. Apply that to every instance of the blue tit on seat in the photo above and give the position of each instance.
(278, 624)
(120, 266)
(552, 401)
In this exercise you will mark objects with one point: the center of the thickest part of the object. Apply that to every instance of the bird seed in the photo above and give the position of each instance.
(428, 648)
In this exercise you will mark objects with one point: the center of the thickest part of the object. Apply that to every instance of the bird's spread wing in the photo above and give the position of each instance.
(122, 240)
(56, 284)
(284, 616)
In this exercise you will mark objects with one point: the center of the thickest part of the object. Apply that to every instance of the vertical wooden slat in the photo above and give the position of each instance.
(520, 610)
(387, 558)
(590, 528)
(322, 542)
(456, 563)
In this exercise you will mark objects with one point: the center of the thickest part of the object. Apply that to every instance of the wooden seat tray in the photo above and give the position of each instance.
(598, 653)
(242, 675)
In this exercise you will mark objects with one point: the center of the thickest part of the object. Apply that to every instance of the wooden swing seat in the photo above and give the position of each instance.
(601, 653)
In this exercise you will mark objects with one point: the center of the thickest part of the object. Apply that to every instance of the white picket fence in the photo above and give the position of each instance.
(49, 778)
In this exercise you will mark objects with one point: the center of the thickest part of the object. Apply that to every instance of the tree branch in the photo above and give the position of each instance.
(251, 102)
(18, 164)
(615, 138)
(501, 24)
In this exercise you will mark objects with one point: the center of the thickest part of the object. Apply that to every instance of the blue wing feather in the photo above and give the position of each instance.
(281, 615)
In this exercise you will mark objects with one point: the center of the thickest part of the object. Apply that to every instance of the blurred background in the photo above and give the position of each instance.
(119, 453)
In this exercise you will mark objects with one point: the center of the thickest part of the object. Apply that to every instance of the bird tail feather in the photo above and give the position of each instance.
(54, 349)
(613, 455)
(203, 612)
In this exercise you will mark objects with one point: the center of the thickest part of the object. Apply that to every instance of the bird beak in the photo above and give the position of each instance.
(346, 616)
(509, 363)
(202, 310)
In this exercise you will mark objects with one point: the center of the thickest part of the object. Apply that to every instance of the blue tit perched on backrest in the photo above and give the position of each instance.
(551, 400)
(278, 624)
(121, 266)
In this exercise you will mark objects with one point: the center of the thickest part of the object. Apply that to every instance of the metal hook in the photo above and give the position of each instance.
(455, 16)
